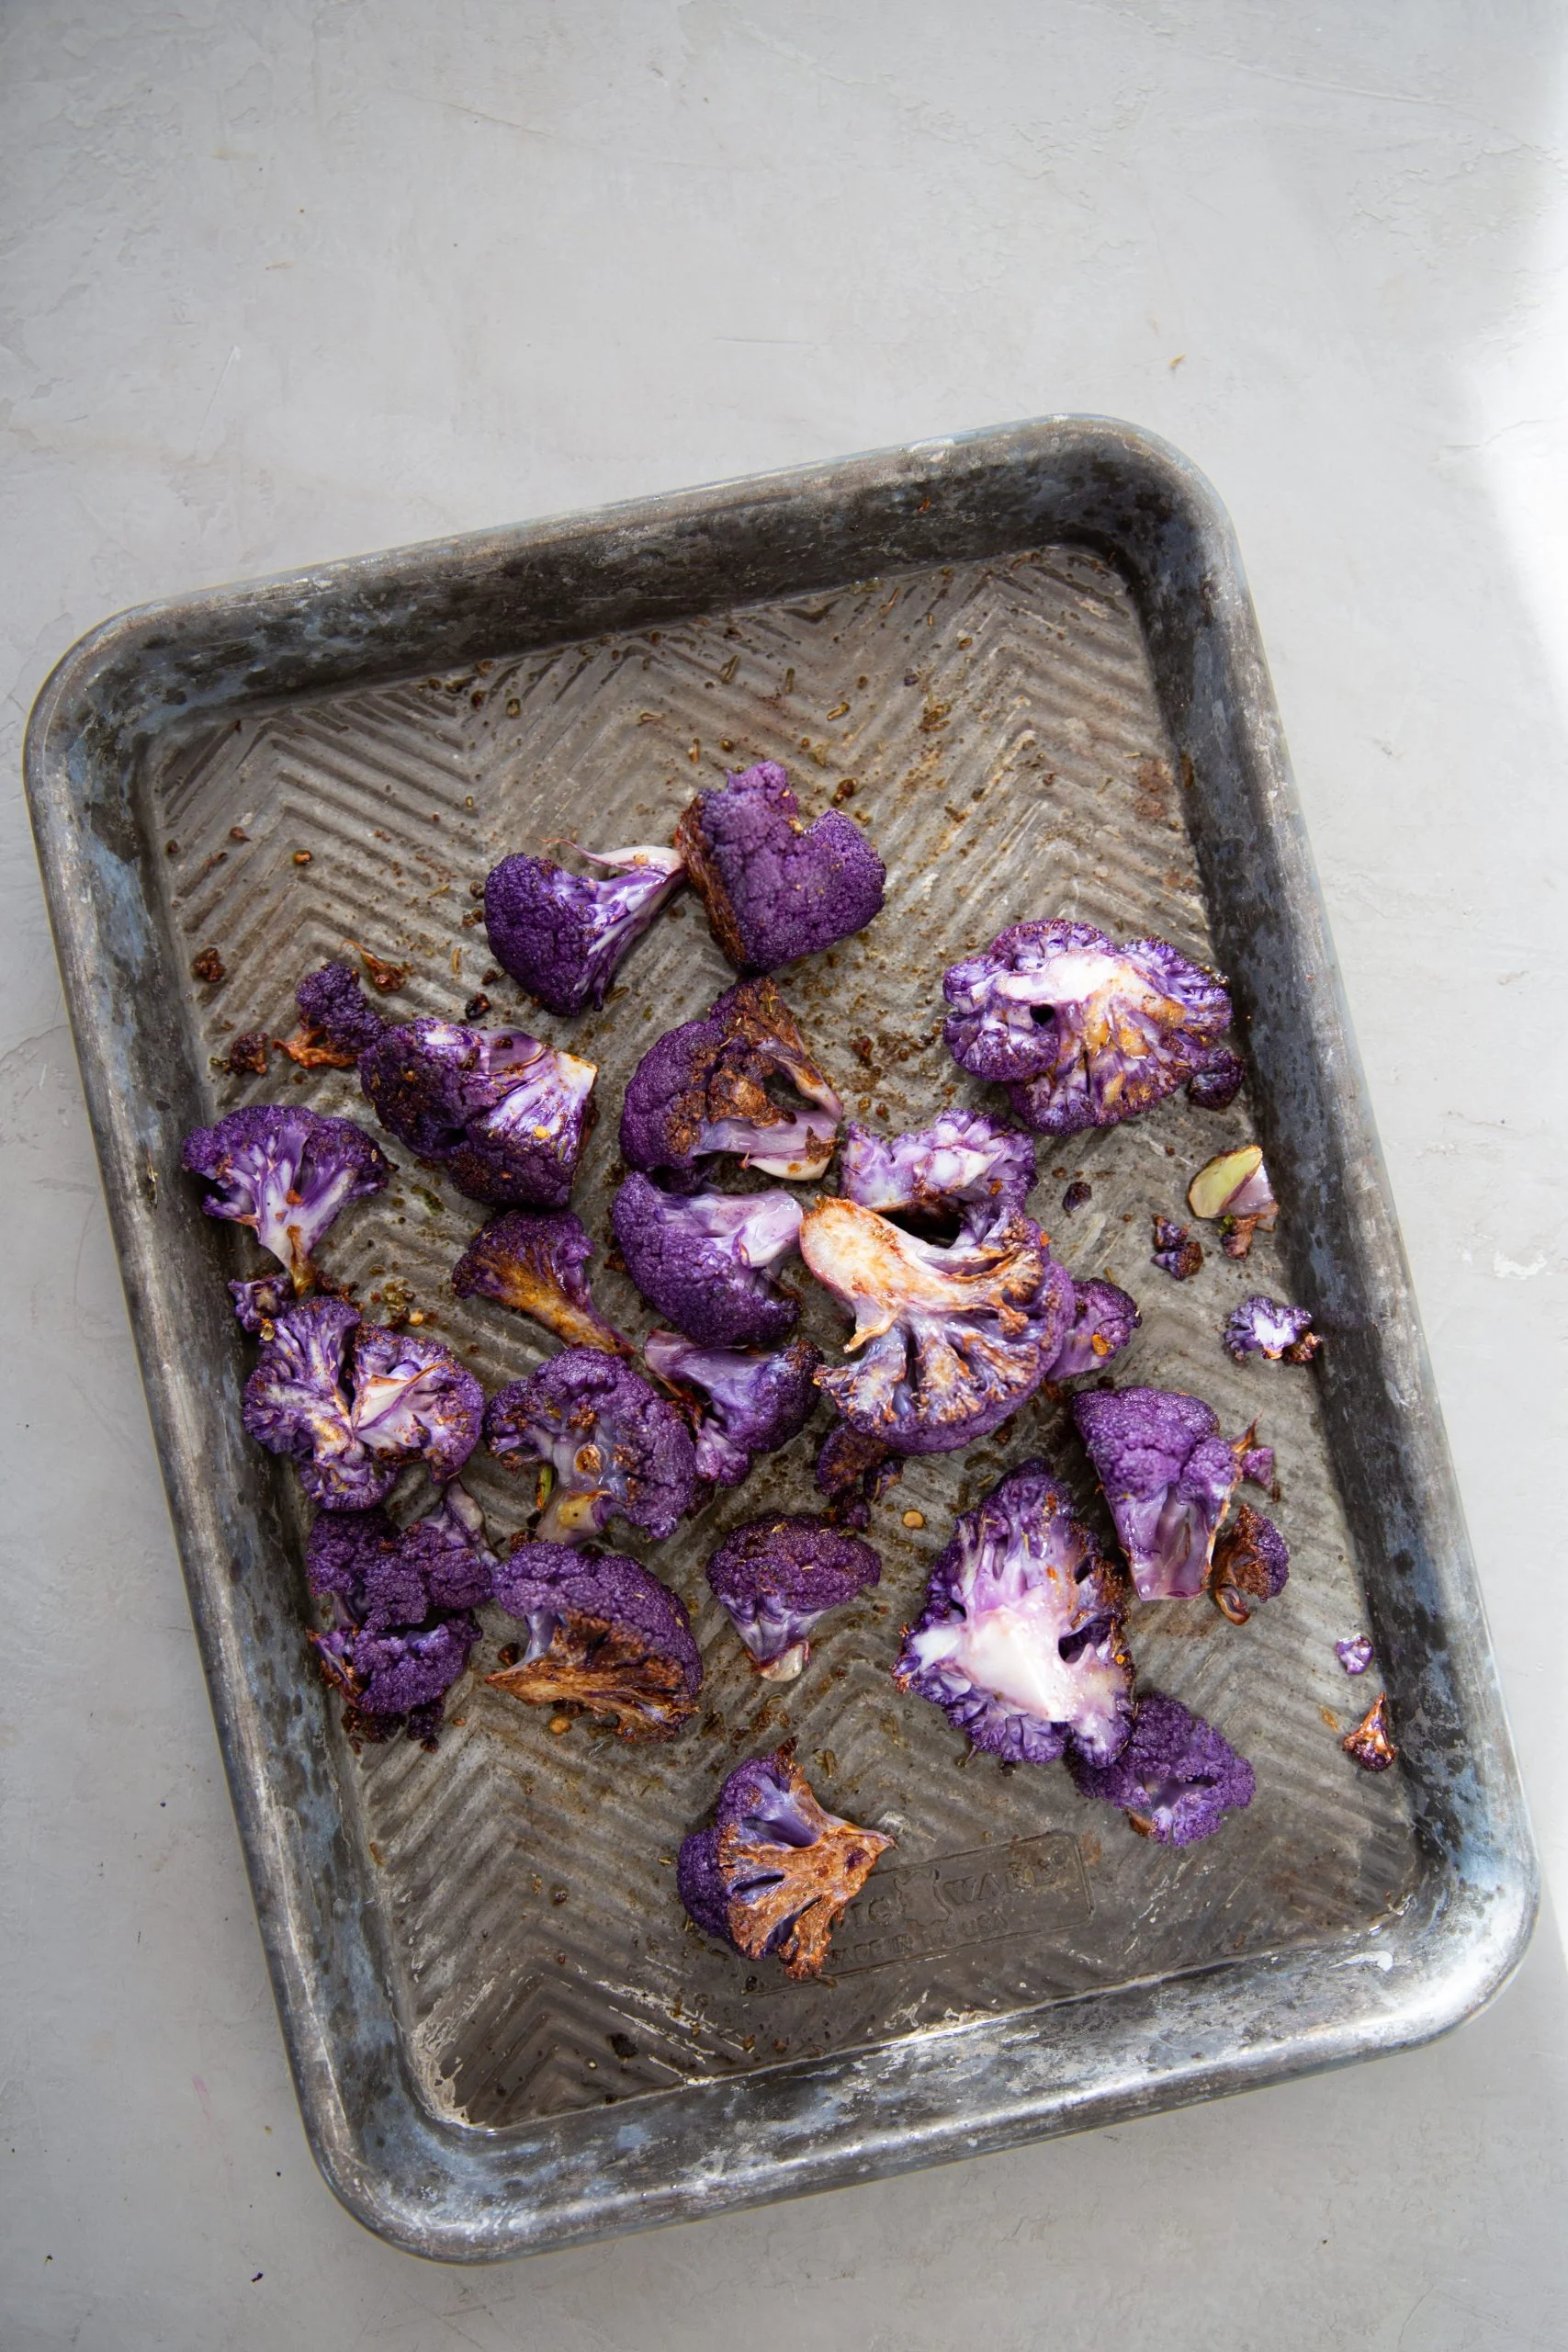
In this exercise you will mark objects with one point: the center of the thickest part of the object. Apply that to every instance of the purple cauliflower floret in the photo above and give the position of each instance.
(1021, 1639)
(338, 1021)
(775, 1873)
(536, 1263)
(1251, 1563)
(611, 1444)
(286, 1172)
(704, 1259)
(562, 934)
(1168, 1477)
(964, 1162)
(963, 1158)
(603, 1635)
(399, 1675)
(1354, 1654)
(1104, 1320)
(1371, 1744)
(1177, 1250)
(1257, 1467)
(1264, 1326)
(1218, 1083)
(854, 1471)
(772, 887)
(954, 1338)
(386, 1577)
(703, 1088)
(1176, 1777)
(258, 1302)
(756, 1403)
(1085, 1033)
(777, 1578)
(351, 1425)
(503, 1115)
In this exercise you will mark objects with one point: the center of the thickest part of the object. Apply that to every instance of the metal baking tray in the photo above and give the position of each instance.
(1031, 653)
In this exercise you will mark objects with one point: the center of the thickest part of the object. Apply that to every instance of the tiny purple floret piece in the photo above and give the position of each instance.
(1354, 1654)
(1176, 1777)
(286, 1172)
(562, 935)
(1021, 1639)
(1084, 1032)
(704, 1259)
(776, 1872)
(775, 889)
(612, 1445)
(1176, 1250)
(1251, 1563)
(755, 1403)
(779, 1577)
(1265, 1327)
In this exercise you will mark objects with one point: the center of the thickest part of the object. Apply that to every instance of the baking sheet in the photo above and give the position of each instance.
(1022, 736)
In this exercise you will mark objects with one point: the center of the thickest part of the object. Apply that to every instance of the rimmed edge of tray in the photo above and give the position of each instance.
(457, 2192)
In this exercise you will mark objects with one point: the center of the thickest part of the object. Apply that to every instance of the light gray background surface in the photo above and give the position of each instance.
(289, 281)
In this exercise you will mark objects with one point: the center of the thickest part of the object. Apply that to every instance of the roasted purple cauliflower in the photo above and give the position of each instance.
(537, 1264)
(400, 1676)
(1085, 1033)
(755, 1403)
(775, 889)
(562, 934)
(504, 1116)
(1021, 1639)
(777, 1578)
(286, 1172)
(385, 1576)
(337, 1021)
(610, 1444)
(1176, 1777)
(854, 1471)
(352, 1420)
(963, 1164)
(704, 1259)
(1168, 1477)
(603, 1635)
(1264, 1326)
(1354, 1654)
(1250, 1565)
(958, 1338)
(1104, 1320)
(1176, 1250)
(1371, 1744)
(775, 1873)
(703, 1088)
(257, 1302)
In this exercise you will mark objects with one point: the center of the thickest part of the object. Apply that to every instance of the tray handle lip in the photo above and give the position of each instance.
(1468, 1956)
(1476, 1963)
(110, 651)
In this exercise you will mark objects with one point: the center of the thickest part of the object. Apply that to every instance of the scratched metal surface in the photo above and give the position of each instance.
(999, 725)
(1032, 653)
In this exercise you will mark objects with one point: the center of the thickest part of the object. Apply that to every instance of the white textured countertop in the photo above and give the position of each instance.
(285, 283)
